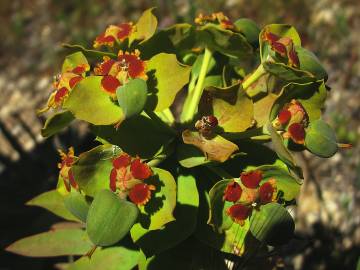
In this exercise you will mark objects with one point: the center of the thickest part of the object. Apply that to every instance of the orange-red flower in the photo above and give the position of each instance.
(128, 177)
(67, 160)
(218, 18)
(63, 84)
(249, 196)
(117, 72)
(114, 33)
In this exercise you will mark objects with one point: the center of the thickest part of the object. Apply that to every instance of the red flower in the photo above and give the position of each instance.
(140, 194)
(232, 192)
(284, 116)
(251, 179)
(134, 65)
(67, 160)
(140, 170)
(114, 33)
(110, 84)
(122, 161)
(239, 213)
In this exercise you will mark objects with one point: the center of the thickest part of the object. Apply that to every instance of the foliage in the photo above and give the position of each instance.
(158, 181)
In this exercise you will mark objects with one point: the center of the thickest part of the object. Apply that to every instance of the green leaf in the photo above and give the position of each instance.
(156, 241)
(56, 123)
(145, 27)
(77, 205)
(320, 139)
(287, 73)
(109, 218)
(92, 170)
(249, 29)
(88, 102)
(159, 210)
(114, 258)
(73, 60)
(262, 109)
(130, 136)
(215, 149)
(89, 53)
(169, 78)
(231, 106)
(224, 41)
(132, 97)
(272, 224)
(189, 156)
(310, 63)
(53, 243)
(54, 202)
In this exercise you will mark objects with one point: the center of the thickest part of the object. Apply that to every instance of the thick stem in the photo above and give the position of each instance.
(253, 77)
(199, 88)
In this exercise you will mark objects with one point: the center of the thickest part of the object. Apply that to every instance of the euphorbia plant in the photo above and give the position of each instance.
(167, 185)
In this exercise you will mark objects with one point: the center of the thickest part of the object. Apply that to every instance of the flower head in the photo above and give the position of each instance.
(117, 72)
(251, 179)
(114, 33)
(218, 18)
(239, 213)
(67, 160)
(128, 176)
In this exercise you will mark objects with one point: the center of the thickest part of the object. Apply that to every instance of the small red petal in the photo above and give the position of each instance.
(232, 192)
(110, 84)
(122, 161)
(73, 81)
(140, 170)
(294, 58)
(211, 121)
(69, 160)
(266, 192)
(136, 66)
(104, 40)
(279, 48)
(79, 69)
(140, 194)
(251, 179)
(104, 67)
(239, 212)
(60, 94)
(113, 178)
(125, 31)
(271, 37)
(297, 133)
(72, 179)
(284, 116)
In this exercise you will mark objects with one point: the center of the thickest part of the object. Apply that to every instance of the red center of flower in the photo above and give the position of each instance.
(284, 116)
(239, 212)
(110, 84)
(251, 179)
(136, 66)
(124, 31)
(140, 170)
(140, 194)
(266, 191)
(232, 192)
(297, 133)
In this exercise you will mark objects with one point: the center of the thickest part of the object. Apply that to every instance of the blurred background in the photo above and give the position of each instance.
(328, 215)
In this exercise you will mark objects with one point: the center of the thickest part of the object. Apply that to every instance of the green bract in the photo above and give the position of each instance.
(196, 125)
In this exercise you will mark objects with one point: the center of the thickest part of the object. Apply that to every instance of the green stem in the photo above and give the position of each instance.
(199, 88)
(253, 77)
(168, 115)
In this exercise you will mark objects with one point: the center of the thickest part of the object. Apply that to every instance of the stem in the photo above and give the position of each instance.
(167, 114)
(199, 88)
(253, 77)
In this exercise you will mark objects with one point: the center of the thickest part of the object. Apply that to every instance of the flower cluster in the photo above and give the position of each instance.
(248, 196)
(63, 84)
(217, 17)
(128, 175)
(293, 119)
(114, 33)
(67, 160)
(283, 46)
(117, 72)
